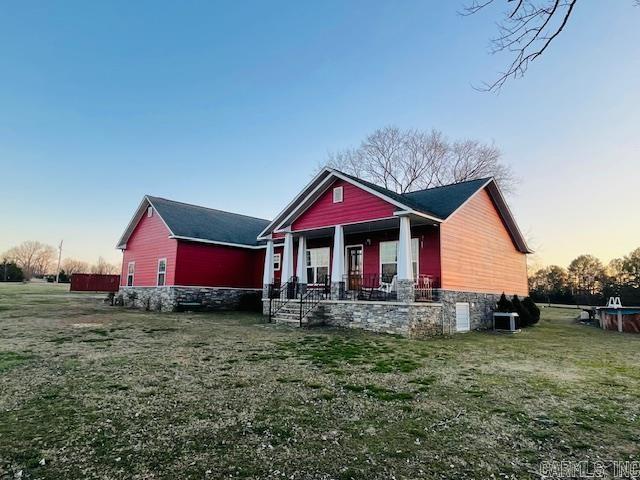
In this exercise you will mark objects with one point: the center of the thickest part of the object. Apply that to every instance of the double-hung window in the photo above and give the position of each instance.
(162, 271)
(389, 259)
(131, 267)
(317, 265)
(277, 259)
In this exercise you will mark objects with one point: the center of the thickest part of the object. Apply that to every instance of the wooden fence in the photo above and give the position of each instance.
(90, 282)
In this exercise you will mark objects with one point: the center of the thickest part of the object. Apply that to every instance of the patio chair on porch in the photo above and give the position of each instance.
(389, 287)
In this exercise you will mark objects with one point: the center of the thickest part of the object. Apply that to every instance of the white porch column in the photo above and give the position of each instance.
(405, 269)
(405, 287)
(337, 265)
(267, 276)
(301, 267)
(287, 258)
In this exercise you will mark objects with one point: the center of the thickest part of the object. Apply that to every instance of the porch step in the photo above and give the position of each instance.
(292, 308)
(289, 321)
(289, 314)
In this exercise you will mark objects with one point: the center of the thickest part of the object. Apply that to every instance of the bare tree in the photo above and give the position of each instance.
(102, 267)
(526, 31)
(409, 160)
(34, 258)
(71, 266)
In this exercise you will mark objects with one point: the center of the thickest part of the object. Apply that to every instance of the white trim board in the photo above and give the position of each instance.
(359, 222)
(292, 203)
(215, 242)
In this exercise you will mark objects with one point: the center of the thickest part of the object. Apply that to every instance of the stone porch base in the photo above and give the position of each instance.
(407, 319)
(169, 298)
(481, 307)
(412, 319)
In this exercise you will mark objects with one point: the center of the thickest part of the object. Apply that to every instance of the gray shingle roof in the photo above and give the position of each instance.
(443, 201)
(186, 220)
(439, 202)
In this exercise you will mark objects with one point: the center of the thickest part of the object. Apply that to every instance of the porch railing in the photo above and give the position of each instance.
(304, 297)
(426, 289)
(282, 293)
(369, 287)
(312, 296)
(376, 287)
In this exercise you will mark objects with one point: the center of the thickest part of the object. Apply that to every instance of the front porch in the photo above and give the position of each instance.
(394, 261)
(387, 255)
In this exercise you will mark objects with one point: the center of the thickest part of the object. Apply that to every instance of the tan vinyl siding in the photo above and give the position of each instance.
(477, 252)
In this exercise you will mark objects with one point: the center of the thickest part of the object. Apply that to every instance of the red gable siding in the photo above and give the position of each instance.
(357, 206)
(478, 254)
(207, 265)
(148, 243)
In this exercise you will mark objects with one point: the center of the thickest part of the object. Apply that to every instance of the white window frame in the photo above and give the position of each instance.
(149, 211)
(339, 193)
(277, 259)
(315, 267)
(158, 272)
(417, 260)
(131, 272)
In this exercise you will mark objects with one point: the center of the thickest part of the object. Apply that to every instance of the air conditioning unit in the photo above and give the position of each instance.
(506, 321)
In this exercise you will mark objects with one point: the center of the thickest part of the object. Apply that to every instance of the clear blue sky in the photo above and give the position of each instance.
(233, 105)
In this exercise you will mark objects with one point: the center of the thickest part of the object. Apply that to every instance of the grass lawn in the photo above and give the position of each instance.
(103, 392)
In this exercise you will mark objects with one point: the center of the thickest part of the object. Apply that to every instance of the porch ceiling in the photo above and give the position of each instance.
(364, 227)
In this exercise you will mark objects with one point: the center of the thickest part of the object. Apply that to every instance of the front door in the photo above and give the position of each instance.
(354, 266)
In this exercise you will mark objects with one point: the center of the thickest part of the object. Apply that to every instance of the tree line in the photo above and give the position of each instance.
(588, 281)
(32, 259)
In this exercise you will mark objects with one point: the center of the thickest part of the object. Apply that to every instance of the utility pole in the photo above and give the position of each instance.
(59, 258)
(5, 270)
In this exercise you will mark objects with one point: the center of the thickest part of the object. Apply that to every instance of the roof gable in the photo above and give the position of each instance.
(318, 186)
(438, 203)
(357, 205)
(193, 222)
(445, 200)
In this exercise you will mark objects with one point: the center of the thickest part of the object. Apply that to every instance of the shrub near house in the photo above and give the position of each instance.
(528, 312)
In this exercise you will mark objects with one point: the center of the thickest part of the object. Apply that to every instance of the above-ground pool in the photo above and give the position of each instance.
(624, 319)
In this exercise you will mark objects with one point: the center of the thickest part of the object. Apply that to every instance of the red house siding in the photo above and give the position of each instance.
(148, 243)
(478, 254)
(206, 265)
(428, 256)
(357, 205)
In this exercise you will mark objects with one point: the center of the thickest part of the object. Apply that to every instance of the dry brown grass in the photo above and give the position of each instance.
(102, 392)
